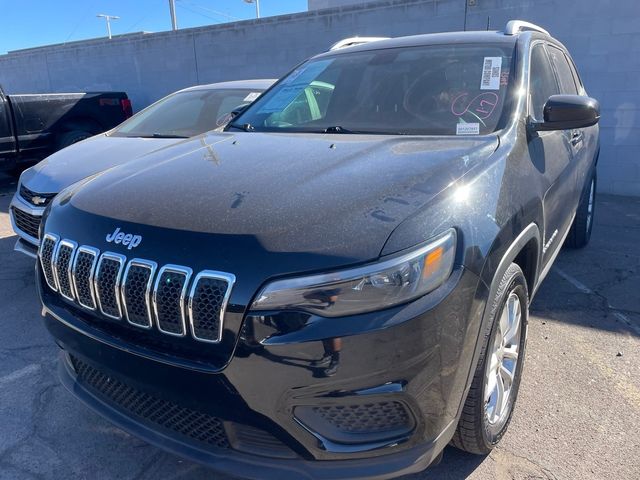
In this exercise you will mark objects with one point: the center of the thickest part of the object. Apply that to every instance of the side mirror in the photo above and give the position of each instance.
(223, 120)
(563, 112)
(239, 109)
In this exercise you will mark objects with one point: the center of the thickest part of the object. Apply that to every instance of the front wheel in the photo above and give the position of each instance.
(489, 405)
(580, 232)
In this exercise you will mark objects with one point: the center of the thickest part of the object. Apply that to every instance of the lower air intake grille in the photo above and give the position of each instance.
(359, 422)
(191, 424)
(29, 224)
(365, 418)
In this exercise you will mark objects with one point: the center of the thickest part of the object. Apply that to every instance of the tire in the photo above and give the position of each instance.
(72, 137)
(580, 232)
(481, 427)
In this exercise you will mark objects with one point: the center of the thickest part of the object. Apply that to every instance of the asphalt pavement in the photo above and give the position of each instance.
(577, 417)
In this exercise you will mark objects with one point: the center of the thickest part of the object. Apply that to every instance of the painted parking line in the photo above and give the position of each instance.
(584, 289)
(574, 281)
(5, 225)
(18, 374)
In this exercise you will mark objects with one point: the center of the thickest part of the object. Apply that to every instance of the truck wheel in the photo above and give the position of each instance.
(72, 137)
(489, 404)
(580, 232)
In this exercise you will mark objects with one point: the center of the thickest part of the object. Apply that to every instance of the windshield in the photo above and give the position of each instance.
(185, 114)
(432, 90)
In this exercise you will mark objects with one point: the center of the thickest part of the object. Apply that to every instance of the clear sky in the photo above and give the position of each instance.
(31, 23)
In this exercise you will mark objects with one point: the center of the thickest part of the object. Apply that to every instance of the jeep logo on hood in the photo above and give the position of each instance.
(126, 239)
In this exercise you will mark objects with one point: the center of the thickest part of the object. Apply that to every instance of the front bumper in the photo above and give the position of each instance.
(418, 355)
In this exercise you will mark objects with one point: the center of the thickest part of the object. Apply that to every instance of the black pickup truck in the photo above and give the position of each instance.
(34, 126)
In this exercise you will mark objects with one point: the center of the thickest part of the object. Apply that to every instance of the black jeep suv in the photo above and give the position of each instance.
(336, 286)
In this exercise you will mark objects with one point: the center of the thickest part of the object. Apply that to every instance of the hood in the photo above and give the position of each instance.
(86, 158)
(278, 203)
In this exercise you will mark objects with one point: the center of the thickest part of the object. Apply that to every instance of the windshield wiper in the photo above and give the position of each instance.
(160, 135)
(337, 129)
(247, 127)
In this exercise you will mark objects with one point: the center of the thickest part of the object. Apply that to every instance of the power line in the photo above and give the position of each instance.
(206, 9)
(80, 19)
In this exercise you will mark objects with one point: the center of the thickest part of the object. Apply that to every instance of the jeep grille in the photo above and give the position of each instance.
(174, 300)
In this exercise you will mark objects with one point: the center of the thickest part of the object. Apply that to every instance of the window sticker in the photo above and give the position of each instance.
(467, 128)
(252, 96)
(491, 73)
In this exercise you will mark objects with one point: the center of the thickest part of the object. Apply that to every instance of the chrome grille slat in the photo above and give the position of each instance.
(207, 304)
(83, 271)
(136, 292)
(62, 263)
(107, 284)
(46, 254)
(148, 297)
(169, 293)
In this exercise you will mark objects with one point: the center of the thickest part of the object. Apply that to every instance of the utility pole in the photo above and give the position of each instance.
(257, 2)
(172, 10)
(108, 18)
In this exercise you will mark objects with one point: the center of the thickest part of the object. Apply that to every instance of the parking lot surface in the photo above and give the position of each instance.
(578, 413)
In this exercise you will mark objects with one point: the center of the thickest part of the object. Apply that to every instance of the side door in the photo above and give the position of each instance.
(580, 163)
(551, 154)
(7, 139)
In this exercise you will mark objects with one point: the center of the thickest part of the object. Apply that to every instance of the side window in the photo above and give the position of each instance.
(574, 71)
(542, 82)
(565, 77)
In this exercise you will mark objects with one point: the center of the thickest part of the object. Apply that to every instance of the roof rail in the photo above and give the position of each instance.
(353, 41)
(517, 26)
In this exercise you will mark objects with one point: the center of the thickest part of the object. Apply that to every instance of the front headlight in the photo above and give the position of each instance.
(365, 289)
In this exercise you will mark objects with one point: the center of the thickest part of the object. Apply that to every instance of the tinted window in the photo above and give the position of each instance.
(565, 77)
(542, 82)
(433, 90)
(186, 113)
(574, 71)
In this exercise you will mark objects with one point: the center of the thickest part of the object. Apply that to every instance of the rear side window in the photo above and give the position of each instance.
(542, 82)
(574, 71)
(565, 77)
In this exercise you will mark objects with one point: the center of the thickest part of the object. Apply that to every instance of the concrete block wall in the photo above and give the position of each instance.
(603, 36)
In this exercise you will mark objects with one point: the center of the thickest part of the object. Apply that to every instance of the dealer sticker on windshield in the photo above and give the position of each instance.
(467, 128)
(252, 96)
(491, 73)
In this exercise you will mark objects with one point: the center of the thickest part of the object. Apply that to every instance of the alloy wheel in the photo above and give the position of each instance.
(503, 361)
